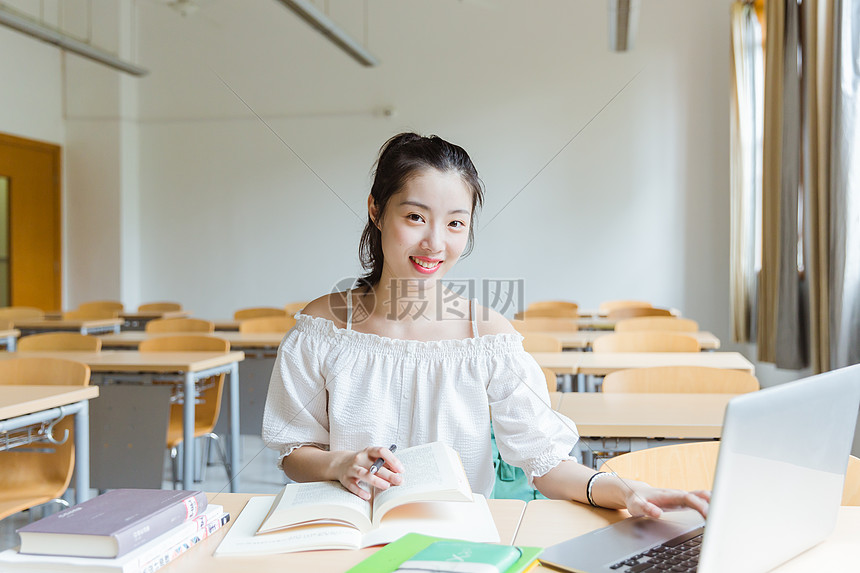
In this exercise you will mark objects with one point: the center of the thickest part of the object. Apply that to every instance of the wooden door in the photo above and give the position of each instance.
(35, 240)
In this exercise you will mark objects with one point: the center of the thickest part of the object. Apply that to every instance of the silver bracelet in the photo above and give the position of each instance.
(590, 484)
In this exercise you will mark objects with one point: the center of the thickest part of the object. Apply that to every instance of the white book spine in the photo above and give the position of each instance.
(169, 551)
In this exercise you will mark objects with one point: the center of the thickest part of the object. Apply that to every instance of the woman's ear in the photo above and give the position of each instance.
(373, 211)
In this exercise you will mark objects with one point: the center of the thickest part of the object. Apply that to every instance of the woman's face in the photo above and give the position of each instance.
(425, 226)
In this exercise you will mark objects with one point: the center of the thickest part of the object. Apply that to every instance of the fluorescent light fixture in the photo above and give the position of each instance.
(623, 22)
(64, 42)
(324, 25)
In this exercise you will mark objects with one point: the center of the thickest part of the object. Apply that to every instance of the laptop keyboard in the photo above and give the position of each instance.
(680, 554)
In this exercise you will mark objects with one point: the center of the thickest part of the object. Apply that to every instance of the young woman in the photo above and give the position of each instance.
(402, 360)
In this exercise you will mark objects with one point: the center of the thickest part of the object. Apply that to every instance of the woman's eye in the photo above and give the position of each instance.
(457, 224)
(414, 217)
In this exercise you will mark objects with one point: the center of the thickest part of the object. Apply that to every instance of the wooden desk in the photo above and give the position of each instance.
(9, 338)
(506, 513)
(137, 320)
(246, 341)
(34, 326)
(547, 522)
(192, 366)
(602, 363)
(583, 339)
(612, 424)
(21, 406)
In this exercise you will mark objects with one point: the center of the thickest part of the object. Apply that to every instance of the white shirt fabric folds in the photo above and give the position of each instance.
(339, 389)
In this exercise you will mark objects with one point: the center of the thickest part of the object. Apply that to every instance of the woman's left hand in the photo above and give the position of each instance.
(642, 499)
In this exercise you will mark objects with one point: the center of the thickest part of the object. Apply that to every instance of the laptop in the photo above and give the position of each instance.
(777, 489)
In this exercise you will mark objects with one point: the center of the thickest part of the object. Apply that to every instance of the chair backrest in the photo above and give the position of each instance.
(545, 324)
(608, 306)
(21, 312)
(551, 379)
(645, 342)
(184, 343)
(258, 311)
(623, 313)
(294, 307)
(60, 341)
(671, 323)
(90, 314)
(180, 325)
(159, 307)
(113, 305)
(692, 467)
(267, 324)
(550, 312)
(44, 372)
(680, 380)
(535, 342)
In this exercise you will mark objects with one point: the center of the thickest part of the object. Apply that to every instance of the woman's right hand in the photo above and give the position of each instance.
(354, 467)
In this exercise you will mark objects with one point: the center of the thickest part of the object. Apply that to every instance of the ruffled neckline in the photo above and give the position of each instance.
(317, 325)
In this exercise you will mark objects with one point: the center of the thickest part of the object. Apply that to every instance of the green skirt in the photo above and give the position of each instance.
(511, 481)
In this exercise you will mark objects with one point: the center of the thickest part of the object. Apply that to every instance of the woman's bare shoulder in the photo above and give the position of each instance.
(330, 306)
(491, 322)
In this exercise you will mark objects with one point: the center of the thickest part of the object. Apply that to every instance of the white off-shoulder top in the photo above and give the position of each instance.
(340, 389)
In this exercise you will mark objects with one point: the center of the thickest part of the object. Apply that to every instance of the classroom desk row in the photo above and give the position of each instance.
(144, 367)
(602, 363)
(539, 523)
(583, 339)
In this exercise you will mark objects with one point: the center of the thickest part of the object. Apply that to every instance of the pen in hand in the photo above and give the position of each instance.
(379, 461)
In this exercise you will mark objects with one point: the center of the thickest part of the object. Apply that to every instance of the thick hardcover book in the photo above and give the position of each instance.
(145, 559)
(111, 524)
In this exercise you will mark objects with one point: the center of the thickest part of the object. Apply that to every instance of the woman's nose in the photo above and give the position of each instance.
(432, 239)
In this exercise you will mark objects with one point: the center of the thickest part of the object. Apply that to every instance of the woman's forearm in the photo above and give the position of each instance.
(310, 463)
(569, 479)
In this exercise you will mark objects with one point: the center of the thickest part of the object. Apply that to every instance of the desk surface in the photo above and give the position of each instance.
(602, 363)
(506, 513)
(18, 400)
(683, 416)
(49, 323)
(248, 340)
(547, 522)
(134, 361)
(578, 339)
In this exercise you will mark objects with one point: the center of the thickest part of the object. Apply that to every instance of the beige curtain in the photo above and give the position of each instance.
(747, 68)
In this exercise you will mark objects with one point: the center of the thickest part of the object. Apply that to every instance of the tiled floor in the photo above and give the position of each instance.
(258, 475)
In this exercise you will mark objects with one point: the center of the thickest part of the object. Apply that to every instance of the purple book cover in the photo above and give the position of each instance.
(132, 516)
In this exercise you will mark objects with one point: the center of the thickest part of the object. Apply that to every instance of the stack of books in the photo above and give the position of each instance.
(124, 530)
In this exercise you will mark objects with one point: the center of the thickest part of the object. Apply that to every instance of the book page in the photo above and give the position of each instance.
(326, 501)
(242, 538)
(469, 520)
(431, 472)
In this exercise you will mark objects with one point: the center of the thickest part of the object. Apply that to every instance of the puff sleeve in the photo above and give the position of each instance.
(529, 433)
(296, 411)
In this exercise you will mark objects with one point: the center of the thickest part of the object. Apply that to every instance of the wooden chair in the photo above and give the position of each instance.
(60, 341)
(692, 467)
(645, 342)
(545, 324)
(624, 313)
(257, 312)
(31, 478)
(208, 399)
(668, 323)
(680, 380)
(550, 312)
(90, 314)
(267, 324)
(551, 379)
(180, 325)
(97, 305)
(159, 307)
(294, 307)
(608, 306)
(21, 313)
(535, 342)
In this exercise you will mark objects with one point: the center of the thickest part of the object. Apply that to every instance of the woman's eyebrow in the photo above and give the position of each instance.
(423, 206)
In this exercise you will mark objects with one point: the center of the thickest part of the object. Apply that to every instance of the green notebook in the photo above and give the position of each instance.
(393, 555)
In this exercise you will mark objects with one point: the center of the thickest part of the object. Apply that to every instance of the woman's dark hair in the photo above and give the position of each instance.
(403, 157)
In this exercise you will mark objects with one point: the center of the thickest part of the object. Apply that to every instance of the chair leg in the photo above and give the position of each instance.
(174, 465)
(222, 452)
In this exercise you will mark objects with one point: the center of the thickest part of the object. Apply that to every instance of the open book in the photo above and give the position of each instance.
(434, 499)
